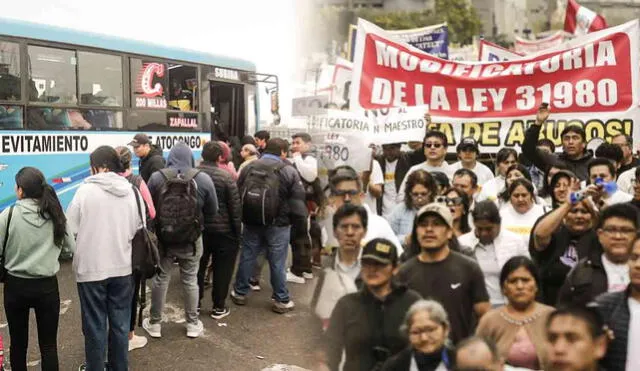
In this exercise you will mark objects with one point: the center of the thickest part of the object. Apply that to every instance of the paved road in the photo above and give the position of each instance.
(250, 338)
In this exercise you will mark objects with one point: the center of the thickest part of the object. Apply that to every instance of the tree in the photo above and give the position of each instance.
(462, 19)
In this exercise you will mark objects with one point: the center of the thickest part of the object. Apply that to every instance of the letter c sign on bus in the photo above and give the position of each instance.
(149, 71)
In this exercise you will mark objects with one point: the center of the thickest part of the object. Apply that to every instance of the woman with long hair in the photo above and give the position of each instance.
(518, 328)
(419, 191)
(458, 203)
(36, 234)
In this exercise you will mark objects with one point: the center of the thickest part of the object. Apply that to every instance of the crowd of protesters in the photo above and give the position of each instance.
(417, 264)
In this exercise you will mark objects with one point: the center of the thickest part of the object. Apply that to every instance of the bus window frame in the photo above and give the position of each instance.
(22, 71)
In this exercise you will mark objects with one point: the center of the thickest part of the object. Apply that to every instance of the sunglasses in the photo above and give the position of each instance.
(432, 145)
(449, 201)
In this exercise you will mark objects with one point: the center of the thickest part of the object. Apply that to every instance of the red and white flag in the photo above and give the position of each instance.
(580, 20)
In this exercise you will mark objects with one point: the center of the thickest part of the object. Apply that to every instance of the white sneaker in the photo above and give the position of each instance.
(154, 330)
(137, 342)
(307, 275)
(195, 330)
(281, 308)
(294, 279)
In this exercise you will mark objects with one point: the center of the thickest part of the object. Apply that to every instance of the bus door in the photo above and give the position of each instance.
(227, 108)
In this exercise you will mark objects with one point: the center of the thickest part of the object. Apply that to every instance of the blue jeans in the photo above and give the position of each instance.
(103, 303)
(275, 240)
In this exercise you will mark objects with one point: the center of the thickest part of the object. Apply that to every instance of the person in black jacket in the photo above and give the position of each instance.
(620, 312)
(574, 141)
(150, 156)
(222, 231)
(608, 271)
(365, 324)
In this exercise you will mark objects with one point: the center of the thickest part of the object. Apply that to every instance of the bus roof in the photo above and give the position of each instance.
(17, 28)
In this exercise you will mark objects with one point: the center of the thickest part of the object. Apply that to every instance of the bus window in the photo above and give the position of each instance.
(149, 84)
(183, 81)
(100, 78)
(10, 117)
(47, 118)
(53, 75)
(9, 71)
(147, 120)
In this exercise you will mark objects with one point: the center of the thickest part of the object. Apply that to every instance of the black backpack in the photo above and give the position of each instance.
(178, 219)
(261, 194)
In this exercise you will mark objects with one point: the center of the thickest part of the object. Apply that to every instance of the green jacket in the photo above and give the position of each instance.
(30, 251)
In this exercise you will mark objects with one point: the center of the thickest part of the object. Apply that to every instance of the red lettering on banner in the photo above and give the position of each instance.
(593, 77)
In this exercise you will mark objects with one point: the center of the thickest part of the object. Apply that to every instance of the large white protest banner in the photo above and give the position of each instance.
(490, 52)
(592, 81)
(524, 46)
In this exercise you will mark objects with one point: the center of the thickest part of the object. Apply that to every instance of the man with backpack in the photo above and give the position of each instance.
(184, 197)
(272, 193)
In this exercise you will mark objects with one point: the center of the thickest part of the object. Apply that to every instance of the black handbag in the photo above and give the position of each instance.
(3, 270)
(145, 258)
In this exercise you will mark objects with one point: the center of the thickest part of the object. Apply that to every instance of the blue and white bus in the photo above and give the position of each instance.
(63, 93)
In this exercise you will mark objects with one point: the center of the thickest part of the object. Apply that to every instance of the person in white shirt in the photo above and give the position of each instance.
(492, 246)
(435, 149)
(505, 158)
(602, 169)
(394, 165)
(626, 180)
(468, 152)
(346, 187)
(373, 182)
(521, 212)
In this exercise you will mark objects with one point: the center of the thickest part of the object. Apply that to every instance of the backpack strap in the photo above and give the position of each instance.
(191, 174)
(6, 234)
(168, 173)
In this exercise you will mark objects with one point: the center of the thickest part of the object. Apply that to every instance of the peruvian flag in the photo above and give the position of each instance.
(580, 20)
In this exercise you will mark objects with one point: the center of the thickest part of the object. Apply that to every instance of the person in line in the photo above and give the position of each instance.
(492, 246)
(426, 325)
(364, 325)
(422, 190)
(102, 262)
(195, 202)
(341, 273)
(458, 203)
(451, 278)
(34, 234)
(307, 166)
(261, 139)
(602, 169)
(468, 152)
(479, 353)
(345, 187)
(521, 213)
(559, 240)
(604, 270)
(225, 162)
(135, 341)
(435, 147)
(505, 159)
(150, 155)
(249, 154)
(574, 142)
(222, 231)
(621, 313)
(518, 327)
(625, 142)
(273, 238)
(394, 165)
(576, 339)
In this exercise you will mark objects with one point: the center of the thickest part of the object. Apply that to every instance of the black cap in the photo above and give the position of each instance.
(381, 251)
(139, 139)
(467, 143)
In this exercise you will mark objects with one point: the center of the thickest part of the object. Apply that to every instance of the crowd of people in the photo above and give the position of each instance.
(418, 264)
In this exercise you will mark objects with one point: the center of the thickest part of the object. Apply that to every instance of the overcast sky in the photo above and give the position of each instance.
(262, 31)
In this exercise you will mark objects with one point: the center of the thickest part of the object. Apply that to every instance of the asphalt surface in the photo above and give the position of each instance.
(250, 338)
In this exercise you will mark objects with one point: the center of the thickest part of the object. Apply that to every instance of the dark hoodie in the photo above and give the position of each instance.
(543, 160)
(151, 163)
(181, 159)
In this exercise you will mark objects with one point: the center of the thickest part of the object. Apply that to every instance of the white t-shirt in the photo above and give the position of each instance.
(483, 173)
(491, 189)
(618, 197)
(390, 196)
(443, 168)
(376, 178)
(633, 342)
(520, 224)
(617, 275)
(625, 179)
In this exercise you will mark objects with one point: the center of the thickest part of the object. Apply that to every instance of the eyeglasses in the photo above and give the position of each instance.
(432, 145)
(615, 230)
(345, 192)
(419, 194)
(449, 201)
(424, 330)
